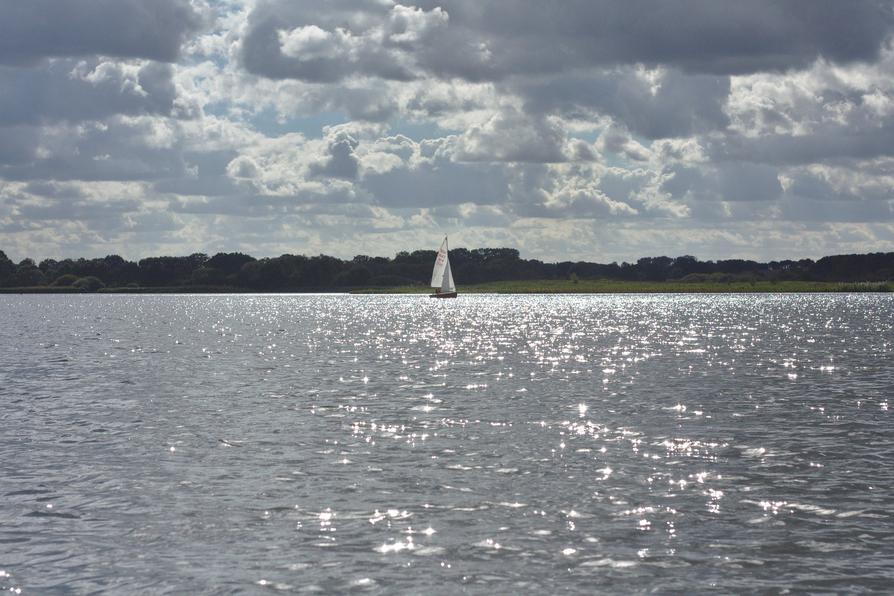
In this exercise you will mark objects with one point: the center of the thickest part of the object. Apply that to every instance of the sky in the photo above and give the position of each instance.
(577, 130)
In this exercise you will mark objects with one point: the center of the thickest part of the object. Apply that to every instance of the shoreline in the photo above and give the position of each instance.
(667, 287)
(516, 287)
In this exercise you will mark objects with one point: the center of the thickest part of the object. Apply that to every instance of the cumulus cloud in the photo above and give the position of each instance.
(340, 160)
(724, 182)
(704, 36)
(475, 41)
(370, 126)
(845, 185)
(73, 91)
(37, 29)
(653, 103)
(436, 182)
(299, 40)
(117, 149)
(243, 167)
(513, 137)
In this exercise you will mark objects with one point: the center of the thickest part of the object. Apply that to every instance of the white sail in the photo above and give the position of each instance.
(447, 279)
(442, 267)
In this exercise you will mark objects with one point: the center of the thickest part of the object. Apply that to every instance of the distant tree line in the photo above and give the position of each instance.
(297, 272)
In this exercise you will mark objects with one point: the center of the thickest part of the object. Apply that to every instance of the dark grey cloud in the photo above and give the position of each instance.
(111, 150)
(575, 59)
(727, 181)
(843, 186)
(208, 186)
(263, 205)
(40, 204)
(34, 29)
(208, 175)
(674, 104)
(18, 145)
(436, 183)
(583, 192)
(108, 213)
(489, 40)
(492, 40)
(529, 120)
(73, 91)
(805, 209)
(512, 136)
(325, 42)
(829, 144)
(54, 190)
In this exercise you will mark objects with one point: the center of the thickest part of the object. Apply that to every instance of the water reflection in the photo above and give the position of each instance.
(544, 443)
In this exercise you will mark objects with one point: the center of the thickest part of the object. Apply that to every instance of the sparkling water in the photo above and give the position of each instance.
(488, 444)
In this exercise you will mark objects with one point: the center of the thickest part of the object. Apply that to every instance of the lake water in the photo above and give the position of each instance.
(489, 444)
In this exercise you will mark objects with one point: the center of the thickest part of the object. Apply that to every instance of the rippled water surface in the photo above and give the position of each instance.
(195, 444)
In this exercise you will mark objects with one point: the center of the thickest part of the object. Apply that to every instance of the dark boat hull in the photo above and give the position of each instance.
(443, 295)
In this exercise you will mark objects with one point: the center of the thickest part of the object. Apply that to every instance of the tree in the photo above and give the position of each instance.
(89, 284)
(27, 275)
(65, 280)
(654, 268)
(168, 271)
(118, 271)
(7, 268)
(297, 272)
(229, 262)
(356, 276)
(208, 276)
(321, 271)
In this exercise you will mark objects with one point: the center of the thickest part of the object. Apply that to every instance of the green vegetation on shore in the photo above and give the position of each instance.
(500, 270)
(607, 286)
(536, 286)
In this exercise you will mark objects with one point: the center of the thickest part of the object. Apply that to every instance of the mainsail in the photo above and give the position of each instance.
(441, 276)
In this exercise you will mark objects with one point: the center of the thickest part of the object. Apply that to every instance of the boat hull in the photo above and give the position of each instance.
(443, 295)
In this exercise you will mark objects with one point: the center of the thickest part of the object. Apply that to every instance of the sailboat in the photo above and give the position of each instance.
(441, 276)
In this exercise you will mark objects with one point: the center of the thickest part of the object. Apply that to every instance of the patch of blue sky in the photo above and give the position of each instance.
(589, 136)
(219, 109)
(641, 140)
(614, 160)
(311, 126)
